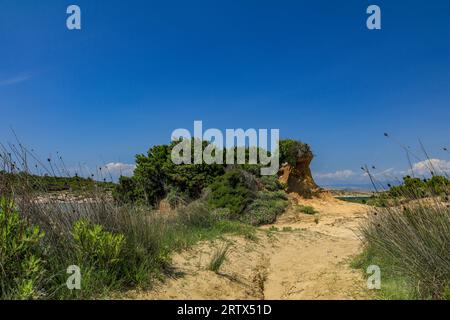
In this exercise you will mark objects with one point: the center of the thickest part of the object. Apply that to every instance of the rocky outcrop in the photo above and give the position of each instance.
(298, 177)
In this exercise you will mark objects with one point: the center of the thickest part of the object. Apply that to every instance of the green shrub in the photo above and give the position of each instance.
(271, 183)
(291, 150)
(155, 175)
(21, 264)
(230, 191)
(307, 210)
(265, 208)
(125, 191)
(414, 188)
(96, 247)
(439, 185)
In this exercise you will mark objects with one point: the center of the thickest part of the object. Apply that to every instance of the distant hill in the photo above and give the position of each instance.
(48, 183)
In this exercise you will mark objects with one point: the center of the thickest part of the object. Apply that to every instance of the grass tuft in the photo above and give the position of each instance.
(219, 257)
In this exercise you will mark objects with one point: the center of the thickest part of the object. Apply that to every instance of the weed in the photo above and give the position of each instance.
(219, 257)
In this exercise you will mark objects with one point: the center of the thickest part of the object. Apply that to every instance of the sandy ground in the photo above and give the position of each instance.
(305, 257)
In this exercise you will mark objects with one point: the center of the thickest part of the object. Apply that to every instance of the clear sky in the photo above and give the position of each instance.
(137, 70)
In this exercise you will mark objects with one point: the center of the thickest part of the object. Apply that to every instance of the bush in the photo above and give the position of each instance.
(21, 264)
(126, 191)
(155, 175)
(414, 188)
(306, 210)
(231, 191)
(265, 208)
(439, 185)
(291, 150)
(271, 183)
(96, 247)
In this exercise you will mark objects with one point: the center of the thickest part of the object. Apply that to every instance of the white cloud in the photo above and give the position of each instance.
(15, 80)
(438, 166)
(117, 169)
(337, 175)
(421, 168)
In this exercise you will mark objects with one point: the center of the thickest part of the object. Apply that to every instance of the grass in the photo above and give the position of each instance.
(361, 200)
(410, 244)
(394, 286)
(306, 210)
(117, 247)
(219, 257)
(407, 234)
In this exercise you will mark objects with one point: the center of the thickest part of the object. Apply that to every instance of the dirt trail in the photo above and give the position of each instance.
(299, 257)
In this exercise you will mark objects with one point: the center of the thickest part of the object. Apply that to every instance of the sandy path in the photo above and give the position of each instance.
(302, 259)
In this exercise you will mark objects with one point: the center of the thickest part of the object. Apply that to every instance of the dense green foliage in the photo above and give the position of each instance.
(418, 188)
(231, 191)
(47, 183)
(156, 176)
(291, 150)
(126, 191)
(265, 208)
(21, 265)
(247, 198)
(95, 246)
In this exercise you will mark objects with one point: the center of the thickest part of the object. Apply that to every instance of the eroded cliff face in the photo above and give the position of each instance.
(298, 178)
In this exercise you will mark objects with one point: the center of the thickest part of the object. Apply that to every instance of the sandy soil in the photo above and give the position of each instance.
(305, 257)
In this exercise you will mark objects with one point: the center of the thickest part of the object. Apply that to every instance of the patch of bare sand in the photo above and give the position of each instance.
(298, 257)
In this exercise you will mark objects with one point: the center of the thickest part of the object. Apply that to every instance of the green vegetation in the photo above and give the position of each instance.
(361, 200)
(125, 243)
(410, 189)
(219, 257)
(266, 207)
(156, 175)
(291, 150)
(408, 237)
(237, 192)
(306, 210)
(117, 249)
(47, 183)
(21, 266)
(418, 188)
(232, 191)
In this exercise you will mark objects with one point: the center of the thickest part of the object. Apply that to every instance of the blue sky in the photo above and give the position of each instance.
(140, 69)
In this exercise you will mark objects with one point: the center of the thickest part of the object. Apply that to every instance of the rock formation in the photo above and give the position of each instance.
(298, 177)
